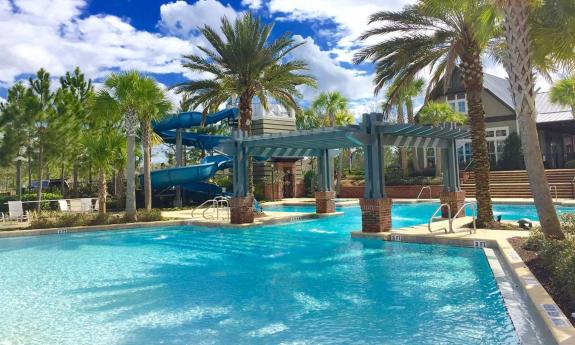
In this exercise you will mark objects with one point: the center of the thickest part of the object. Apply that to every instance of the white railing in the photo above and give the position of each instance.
(433, 216)
(216, 204)
(473, 215)
(554, 188)
(421, 191)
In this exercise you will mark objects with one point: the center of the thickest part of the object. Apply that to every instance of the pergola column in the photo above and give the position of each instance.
(375, 205)
(241, 204)
(325, 196)
(452, 193)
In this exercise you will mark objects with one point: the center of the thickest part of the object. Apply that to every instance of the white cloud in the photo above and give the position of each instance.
(252, 4)
(59, 41)
(182, 19)
(351, 16)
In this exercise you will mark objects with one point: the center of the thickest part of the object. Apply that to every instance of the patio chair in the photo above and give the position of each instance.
(97, 206)
(16, 212)
(86, 204)
(63, 204)
(75, 205)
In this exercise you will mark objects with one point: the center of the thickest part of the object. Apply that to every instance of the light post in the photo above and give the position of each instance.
(19, 161)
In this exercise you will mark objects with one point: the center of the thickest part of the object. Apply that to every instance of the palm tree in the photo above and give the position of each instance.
(519, 64)
(437, 114)
(158, 106)
(439, 35)
(124, 99)
(103, 146)
(243, 63)
(398, 101)
(408, 93)
(563, 93)
(329, 104)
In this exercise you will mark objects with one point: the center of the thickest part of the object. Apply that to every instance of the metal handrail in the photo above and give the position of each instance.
(433, 216)
(552, 187)
(217, 203)
(473, 213)
(421, 191)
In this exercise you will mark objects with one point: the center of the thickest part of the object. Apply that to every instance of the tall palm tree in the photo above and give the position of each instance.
(158, 107)
(437, 114)
(519, 64)
(244, 64)
(124, 99)
(438, 35)
(329, 104)
(563, 93)
(413, 89)
(398, 101)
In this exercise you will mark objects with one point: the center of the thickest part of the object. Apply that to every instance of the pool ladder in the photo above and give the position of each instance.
(421, 191)
(451, 218)
(217, 204)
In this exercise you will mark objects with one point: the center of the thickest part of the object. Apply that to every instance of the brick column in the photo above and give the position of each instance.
(376, 214)
(242, 210)
(454, 199)
(324, 202)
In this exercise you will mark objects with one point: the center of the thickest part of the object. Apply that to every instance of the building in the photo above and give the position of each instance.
(555, 123)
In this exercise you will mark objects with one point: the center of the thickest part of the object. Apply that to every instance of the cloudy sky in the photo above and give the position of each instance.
(102, 36)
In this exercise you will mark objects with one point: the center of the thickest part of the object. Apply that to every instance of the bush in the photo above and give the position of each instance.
(512, 156)
(259, 191)
(309, 181)
(223, 181)
(570, 164)
(47, 220)
(152, 215)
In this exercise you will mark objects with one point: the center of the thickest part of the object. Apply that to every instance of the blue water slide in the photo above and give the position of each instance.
(193, 119)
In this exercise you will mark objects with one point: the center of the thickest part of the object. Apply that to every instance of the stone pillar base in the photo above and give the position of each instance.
(241, 210)
(376, 214)
(324, 202)
(455, 200)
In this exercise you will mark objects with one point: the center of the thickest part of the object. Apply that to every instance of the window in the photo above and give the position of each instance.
(457, 102)
(429, 157)
(495, 144)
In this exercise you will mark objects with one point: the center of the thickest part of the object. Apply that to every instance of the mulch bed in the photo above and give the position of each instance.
(535, 264)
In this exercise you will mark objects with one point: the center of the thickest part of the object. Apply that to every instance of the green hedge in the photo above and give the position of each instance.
(47, 220)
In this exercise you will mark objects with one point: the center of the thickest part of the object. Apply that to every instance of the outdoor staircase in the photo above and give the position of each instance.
(515, 184)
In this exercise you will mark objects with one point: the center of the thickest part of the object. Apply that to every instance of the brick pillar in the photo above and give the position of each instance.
(324, 202)
(376, 214)
(454, 199)
(242, 210)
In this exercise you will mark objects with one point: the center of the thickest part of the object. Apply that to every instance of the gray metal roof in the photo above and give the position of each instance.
(548, 111)
(500, 88)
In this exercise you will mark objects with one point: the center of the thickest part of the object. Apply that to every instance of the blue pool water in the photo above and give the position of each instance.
(408, 214)
(302, 283)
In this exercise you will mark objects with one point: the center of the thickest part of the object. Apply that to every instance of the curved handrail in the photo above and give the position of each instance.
(551, 188)
(421, 191)
(473, 215)
(434, 213)
(200, 206)
(217, 203)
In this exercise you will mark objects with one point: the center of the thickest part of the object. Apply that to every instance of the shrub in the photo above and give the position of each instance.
(149, 215)
(309, 181)
(47, 220)
(259, 191)
(570, 164)
(512, 155)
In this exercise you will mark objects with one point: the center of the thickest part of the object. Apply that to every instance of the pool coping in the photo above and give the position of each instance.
(560, 328)
(294, 216)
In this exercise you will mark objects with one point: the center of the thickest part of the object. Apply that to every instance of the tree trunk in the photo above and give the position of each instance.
(146, 129)
(472, 79)
(339, 172)
(29, 172)
(178, 201)
(245, 125)
(119, 187)
(520, 70)
(75, 179)
(102, 191)
(131, 127)
(411, 121)
(40, 176)
(62, 180)
(402, 150)
(90, 177)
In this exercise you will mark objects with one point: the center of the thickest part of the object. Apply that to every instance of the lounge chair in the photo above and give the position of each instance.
(76, 205)
(16, 212)
(86, 204)
(63, 204)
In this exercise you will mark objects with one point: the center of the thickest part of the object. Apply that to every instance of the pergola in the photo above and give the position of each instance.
(373, 134)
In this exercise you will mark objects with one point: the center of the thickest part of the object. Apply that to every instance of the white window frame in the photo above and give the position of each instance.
(425, 156)
(454, 103)
(494, 139)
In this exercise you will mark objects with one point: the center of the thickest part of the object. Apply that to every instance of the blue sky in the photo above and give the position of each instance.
(102, 36)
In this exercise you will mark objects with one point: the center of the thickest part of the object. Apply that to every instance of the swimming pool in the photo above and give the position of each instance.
(303, 283)
(409, 214)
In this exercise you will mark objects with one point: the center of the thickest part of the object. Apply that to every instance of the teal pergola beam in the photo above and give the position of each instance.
(374, 163)
(325, 174)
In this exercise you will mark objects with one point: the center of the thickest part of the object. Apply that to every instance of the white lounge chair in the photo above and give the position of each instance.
(75, 205)
(97, 206)
(86, 204)
(63, 204)
(16, 212)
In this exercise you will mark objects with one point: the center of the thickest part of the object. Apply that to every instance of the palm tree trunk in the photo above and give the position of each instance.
(520, 70)
(75, 179)
(411, 121)
(178, 201)
(29, 171)
(246, 127)
(339, 172)
(472, 78)
(146, 128)
(40, 176)
(131, 127)
(119, 188)
(402, 150)
(62, 180)
(102, 192)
